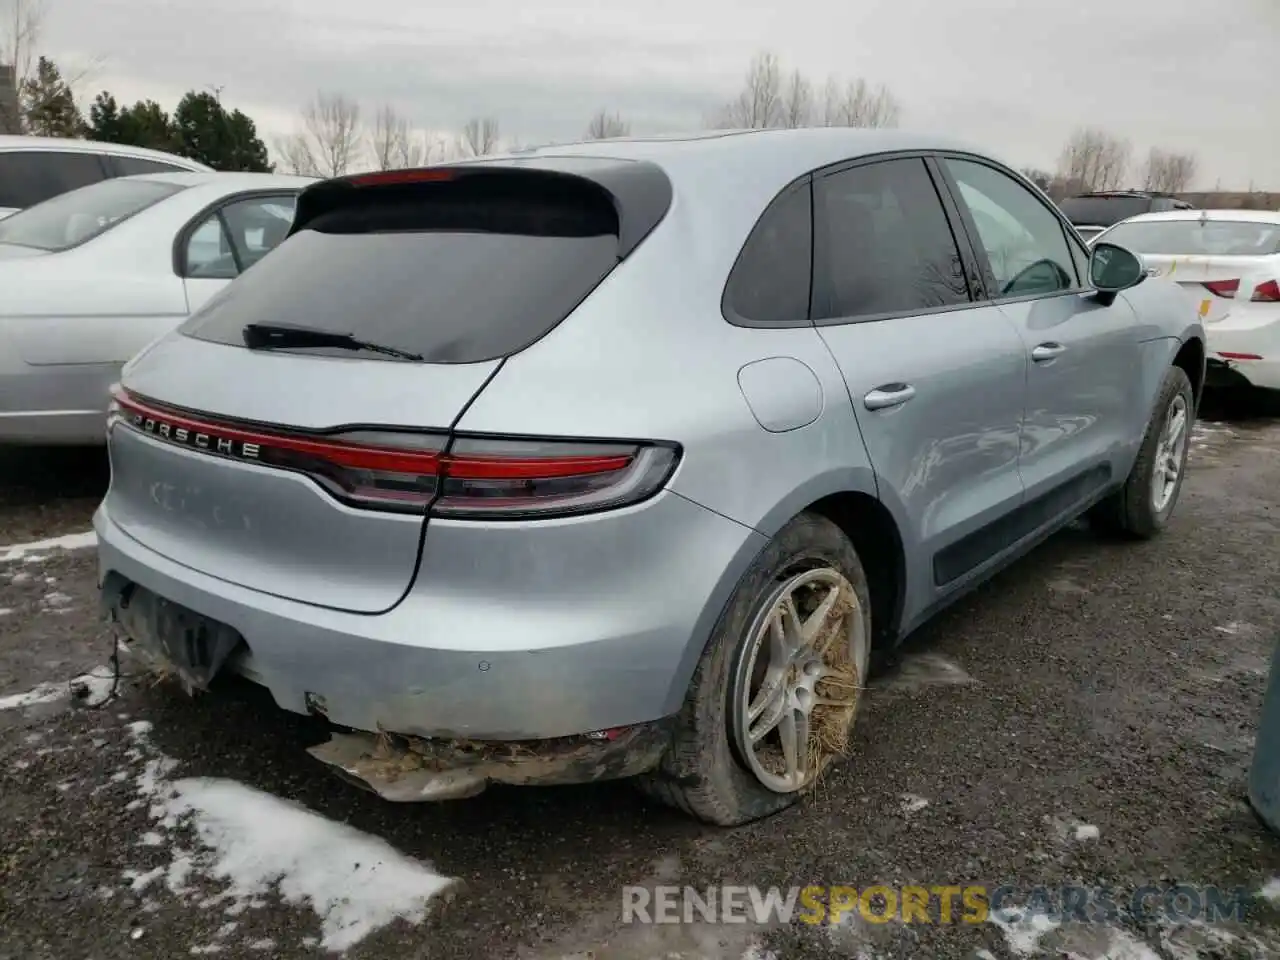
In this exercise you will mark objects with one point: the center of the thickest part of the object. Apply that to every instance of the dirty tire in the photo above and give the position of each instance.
(1129, 511)
(700, 772)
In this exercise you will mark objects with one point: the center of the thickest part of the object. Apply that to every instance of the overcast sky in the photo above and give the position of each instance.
(1015, 76)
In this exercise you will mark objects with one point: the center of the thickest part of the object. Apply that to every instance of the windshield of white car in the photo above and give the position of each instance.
(1199, 237)
(70, 219)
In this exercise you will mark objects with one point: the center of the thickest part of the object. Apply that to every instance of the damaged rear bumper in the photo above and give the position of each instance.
(558, 638)
(410, 769)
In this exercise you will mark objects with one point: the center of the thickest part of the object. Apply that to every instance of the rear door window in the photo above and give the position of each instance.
(78, 216)
(457, 275)
(769, 285)
(28, 177)
(132, 166)
(883, 244)
(236, 236)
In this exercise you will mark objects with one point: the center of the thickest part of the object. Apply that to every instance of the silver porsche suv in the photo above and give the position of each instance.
(622, 459)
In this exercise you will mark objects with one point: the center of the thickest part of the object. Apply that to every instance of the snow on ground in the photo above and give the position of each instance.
(256, 843)
(1086, 831)
(91, 689)
(1271, 890)
(912, 804)
(33, 552)
(1022, 932)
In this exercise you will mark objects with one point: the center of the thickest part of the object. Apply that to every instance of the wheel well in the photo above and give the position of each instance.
(1190, 358)
(870, 526)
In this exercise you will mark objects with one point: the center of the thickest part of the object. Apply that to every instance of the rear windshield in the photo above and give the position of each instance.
(1221, 238)
(454, 282)
(70, 219)
(1103, 211)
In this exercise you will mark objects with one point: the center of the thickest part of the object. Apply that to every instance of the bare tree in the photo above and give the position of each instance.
(1095, 160)
(479, 137)
(759, 105)
(20, 23)
(330, 142)
(605, 125)
(395, 145)
(859, 104)
(1168, 172)
(797, 101)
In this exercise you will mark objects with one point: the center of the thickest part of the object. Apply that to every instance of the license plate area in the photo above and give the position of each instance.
(173, 638)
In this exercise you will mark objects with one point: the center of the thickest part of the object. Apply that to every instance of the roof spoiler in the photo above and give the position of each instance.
(639, 192)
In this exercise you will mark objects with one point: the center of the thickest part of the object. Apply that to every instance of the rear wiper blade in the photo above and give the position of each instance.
(282, 336)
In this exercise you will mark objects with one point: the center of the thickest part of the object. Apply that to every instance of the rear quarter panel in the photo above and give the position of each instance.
(1166, 320)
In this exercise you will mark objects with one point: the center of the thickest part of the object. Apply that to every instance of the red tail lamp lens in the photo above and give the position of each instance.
(477, 478)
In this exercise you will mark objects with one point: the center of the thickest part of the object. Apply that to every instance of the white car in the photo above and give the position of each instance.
(92, 276)
(34, 169)
(1228, 261)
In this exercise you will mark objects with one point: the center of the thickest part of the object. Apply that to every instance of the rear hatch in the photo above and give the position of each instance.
(1218, 262)
(289, 437)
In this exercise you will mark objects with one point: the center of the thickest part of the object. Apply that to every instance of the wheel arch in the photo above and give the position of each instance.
(849, 499)
(1191, 358)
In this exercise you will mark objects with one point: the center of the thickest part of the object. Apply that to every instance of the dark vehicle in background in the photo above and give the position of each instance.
(1091, 213)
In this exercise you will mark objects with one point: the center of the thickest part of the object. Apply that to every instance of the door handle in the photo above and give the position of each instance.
(1047, 351)
(889, 395)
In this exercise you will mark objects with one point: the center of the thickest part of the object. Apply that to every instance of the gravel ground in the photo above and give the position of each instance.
(1085, 718)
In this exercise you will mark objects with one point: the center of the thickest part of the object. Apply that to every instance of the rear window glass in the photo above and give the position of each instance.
(455, 279)
(70, 219)
(1221, 238)
(1103, 211)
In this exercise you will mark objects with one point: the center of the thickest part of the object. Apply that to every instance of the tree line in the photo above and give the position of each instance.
(336, 135)
(1093, 159)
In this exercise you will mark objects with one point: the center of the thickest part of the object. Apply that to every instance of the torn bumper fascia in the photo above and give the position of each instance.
(413, 769)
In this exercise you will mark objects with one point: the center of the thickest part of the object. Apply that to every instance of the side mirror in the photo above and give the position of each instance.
(1112, 268)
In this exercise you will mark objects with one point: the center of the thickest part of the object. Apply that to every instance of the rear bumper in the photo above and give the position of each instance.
(1251, 329)
(510, 631)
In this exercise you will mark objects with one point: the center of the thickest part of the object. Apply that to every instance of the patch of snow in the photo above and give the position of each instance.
(984, 954)
(32, 552)
(1022, 933)
(20, 577)
(5, 611)
(924, 669)
(57, 598)
(1271, 890)
(256, 844)
(264, 944)
(1120, 945)
(135, 933)
(913, 804)
(757, 952)
(209, 948)
(41, 693)
(1086, 831)
(140, 880)
(1235, 628)
(95, 689)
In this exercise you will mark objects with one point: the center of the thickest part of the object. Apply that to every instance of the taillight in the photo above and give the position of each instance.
(1222, 288)
(1268, 292)
(472, 477)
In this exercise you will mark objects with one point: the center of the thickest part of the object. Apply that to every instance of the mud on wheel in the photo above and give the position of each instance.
(776, 692)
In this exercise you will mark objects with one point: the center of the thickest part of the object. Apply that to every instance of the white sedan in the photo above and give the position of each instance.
(1228, 261)
(92, 276)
